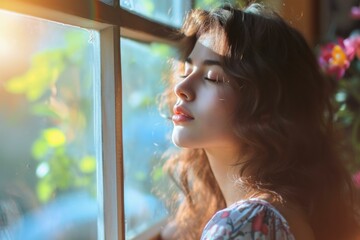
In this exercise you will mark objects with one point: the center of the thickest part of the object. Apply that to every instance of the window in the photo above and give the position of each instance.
(49, 147)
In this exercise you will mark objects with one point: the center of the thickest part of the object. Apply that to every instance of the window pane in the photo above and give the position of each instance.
(146, 133)
(108, 2)
(209, 4)
(170, 12)
(48, 146)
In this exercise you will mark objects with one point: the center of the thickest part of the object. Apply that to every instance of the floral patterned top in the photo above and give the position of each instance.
(251, 219)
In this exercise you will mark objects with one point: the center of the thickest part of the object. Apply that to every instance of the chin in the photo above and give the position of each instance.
(180, 142)
(177, 142)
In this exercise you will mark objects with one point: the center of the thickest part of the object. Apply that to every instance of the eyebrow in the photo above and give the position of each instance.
(205, 62)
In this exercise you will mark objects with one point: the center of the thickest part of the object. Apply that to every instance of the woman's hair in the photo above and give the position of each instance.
(284, 123)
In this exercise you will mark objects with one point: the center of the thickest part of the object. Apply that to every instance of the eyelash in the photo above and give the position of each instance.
(205, 78)
(212, 80)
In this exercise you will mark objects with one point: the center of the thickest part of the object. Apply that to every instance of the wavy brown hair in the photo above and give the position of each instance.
(284, 123)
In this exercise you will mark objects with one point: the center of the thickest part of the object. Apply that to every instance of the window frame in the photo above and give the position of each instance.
(112, 22)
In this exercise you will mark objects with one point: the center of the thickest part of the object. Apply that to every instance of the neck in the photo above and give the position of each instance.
(226, 174)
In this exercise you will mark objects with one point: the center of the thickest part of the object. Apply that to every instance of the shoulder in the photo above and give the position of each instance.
(248, 219)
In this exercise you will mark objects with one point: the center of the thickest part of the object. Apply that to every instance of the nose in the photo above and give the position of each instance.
(185, 89)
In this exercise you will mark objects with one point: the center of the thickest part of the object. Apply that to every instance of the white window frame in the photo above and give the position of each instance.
(112, 22)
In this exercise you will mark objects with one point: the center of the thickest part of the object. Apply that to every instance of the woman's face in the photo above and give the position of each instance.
(205, 108)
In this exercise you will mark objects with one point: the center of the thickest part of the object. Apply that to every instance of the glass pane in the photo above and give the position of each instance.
(108, 2)
(209, 4)
(170, 12)
(48, 146)
(146, 133)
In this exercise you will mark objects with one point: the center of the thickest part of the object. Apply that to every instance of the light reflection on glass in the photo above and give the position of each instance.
(47, 145)
(170, 12)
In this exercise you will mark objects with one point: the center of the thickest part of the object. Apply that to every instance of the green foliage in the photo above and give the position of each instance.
(63, 172)
(148, 6)
(161, 50)
(46, 68)
(44, 110)
(44, 72)
(87, 164)
(53, 97)
(157, 173)
(348, 115)
(209, 4)
(206, 4)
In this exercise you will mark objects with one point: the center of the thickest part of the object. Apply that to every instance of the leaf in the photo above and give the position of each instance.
(157, 174)
(44, 110)
(161, 50)
(62, 176)
(149, 7)
(54, 137)
(44, 190)
(39, 149)
(88, 164)
(45, 70)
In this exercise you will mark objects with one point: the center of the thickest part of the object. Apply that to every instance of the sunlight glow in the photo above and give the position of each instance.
(7, 33)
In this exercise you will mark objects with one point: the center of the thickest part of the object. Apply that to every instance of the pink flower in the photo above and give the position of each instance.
(335, 58)
(352, 46)
(356, 179)
(355, 13)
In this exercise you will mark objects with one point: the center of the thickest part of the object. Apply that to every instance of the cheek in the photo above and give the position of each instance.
(217, 119)
(221, 105)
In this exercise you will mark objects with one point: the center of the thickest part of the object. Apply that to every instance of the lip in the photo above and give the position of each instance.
(181, 115)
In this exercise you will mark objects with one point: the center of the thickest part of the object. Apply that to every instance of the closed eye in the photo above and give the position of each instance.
(211, 79)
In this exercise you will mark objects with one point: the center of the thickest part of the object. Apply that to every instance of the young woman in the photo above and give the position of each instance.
(253, 117)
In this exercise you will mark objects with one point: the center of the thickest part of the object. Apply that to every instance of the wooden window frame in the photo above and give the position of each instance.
(303, 15)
